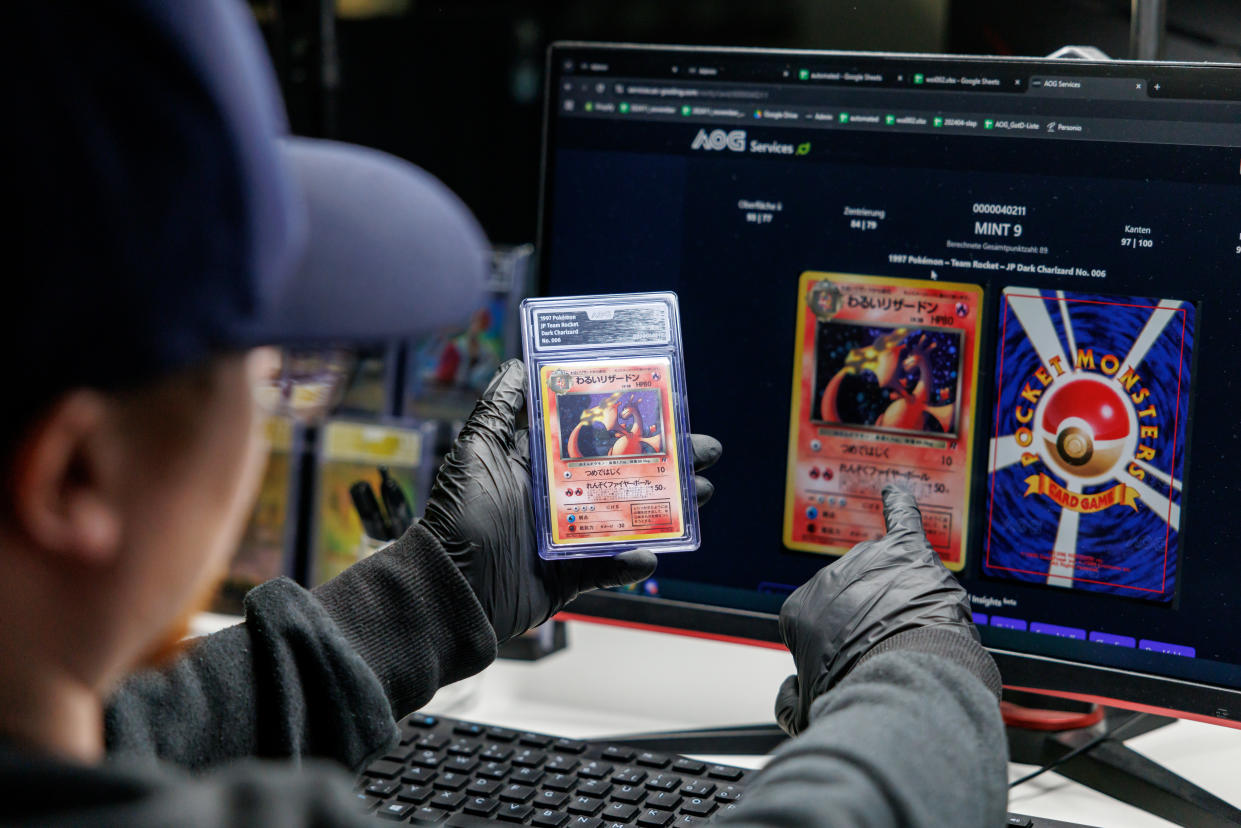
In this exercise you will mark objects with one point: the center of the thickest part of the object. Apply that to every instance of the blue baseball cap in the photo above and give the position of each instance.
(164, 214)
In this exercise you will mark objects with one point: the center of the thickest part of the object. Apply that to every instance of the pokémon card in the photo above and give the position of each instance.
(1088, 456)
(610, 453)
(884, 391)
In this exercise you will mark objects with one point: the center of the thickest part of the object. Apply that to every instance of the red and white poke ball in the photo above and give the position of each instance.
(1087, 427)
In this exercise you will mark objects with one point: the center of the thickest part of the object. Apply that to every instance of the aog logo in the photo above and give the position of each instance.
(718, 139)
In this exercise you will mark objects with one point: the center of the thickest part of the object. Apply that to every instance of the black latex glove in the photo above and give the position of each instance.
(480, 510)
(878, 589)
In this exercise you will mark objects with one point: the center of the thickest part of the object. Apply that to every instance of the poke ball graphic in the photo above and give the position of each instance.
(1086, 428)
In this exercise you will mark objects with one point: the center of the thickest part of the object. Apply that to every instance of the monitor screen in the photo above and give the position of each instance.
(1011, 286)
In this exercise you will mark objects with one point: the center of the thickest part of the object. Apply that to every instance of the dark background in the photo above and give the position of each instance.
(457, 86)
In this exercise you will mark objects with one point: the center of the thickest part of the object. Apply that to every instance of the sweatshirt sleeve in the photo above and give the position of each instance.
(312, 674)
(911, 737)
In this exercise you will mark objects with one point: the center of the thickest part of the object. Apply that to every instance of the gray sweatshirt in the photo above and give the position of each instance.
(264, 723)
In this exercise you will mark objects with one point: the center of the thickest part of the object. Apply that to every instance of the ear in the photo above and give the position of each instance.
(60, 498)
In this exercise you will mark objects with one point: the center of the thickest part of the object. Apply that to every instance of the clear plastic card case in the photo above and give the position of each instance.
(610, 448)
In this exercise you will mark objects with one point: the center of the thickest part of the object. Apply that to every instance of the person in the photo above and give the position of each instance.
(169, 231)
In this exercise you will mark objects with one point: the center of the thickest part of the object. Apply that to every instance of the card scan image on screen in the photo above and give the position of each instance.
(884, 392)
(1088, 455)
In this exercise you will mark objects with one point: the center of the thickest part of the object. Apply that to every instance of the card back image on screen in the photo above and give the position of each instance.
(1088, 454)
(883, 392)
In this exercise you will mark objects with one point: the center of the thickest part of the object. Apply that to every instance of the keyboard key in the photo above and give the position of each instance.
(664, 799)
(426, 815)
(383, 787)
(569, 746)
(501, 734)
(422, 722)
(468, 729)
(653, 760)
(629, 776)
(497, 753)
(514, 812)
(588, 805)
(1015, 821)
(460, 764)
(367, 801)
(400, 755)
(483, 787)
(449, 781)
(654, 818)
(724, 772)
(688, 819)
(432, 741)
(595, 787)
(383, 770)
(551, 798)
(619, 753)
(529, 758)
(729, 793)
(560, 763)
(481, 806)
(727, 809)
(595, 770)
(664, 782)
(549, 818)
(537, 740)
(584, 821)
(427, 759)
(395, 810)
(526, 776)
(629, 793)
(449, 800)
(417, 776)
(463, 747)
(560, 781)
(698, 788)
(416, 794)
(516, 793)
(684, 765)
(622, 811)
(494, 770)
(698, 806)
(468, 821)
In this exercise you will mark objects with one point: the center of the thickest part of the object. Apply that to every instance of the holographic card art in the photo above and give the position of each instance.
(619, 424)
(1087, 460)
(883, 392)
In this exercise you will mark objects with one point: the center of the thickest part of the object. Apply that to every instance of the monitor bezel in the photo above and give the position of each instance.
(1112, 686)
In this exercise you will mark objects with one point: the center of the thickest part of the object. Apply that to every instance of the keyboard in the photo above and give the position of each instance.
(460, 773)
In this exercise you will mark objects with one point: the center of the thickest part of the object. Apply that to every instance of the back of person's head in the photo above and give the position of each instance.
(165, 227)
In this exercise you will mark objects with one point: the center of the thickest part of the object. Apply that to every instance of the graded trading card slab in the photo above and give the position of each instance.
(1087, 460)
(884, 386)
(611, 449)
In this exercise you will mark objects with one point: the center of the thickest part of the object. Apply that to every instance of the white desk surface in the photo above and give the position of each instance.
(615, 680)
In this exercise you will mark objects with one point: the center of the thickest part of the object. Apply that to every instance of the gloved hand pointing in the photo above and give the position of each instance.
(877, 590)
(480, 511)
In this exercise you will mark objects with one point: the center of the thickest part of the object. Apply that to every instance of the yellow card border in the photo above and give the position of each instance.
(803, 285)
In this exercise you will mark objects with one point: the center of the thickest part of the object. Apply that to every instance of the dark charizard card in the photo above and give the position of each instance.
(883, 392)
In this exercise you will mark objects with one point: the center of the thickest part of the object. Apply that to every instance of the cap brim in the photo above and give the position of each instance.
(391, 252)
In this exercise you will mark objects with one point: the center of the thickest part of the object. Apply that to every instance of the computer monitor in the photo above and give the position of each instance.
(1012, 286)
